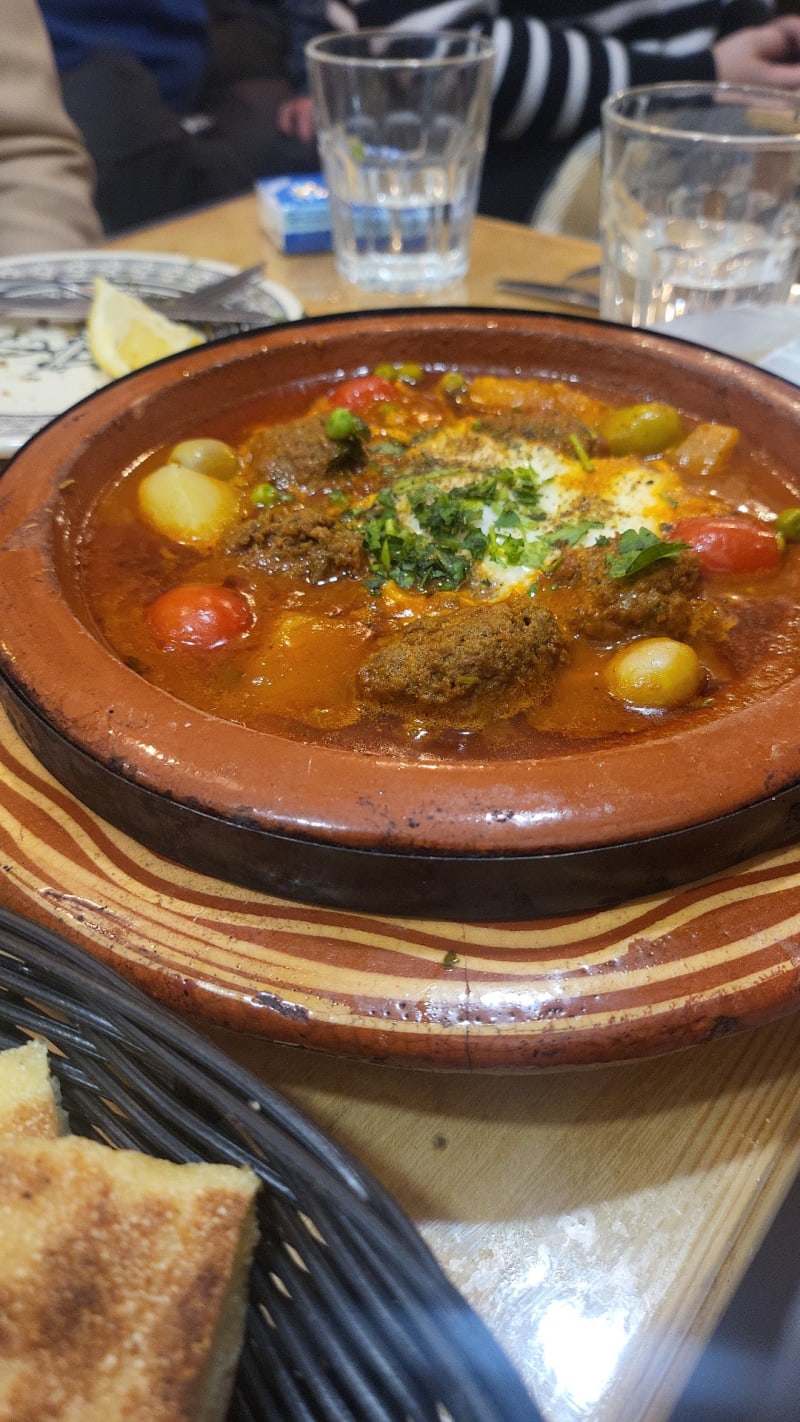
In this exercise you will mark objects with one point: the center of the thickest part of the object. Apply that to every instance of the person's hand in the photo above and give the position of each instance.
(296, 118)
(766, 54)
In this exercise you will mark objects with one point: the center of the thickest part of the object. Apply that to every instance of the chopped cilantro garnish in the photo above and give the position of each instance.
(438, 537)
(508, 518)
(639, 549)
(581, 453)
(547, 550)
(387, 446)
(420, 534)
(571, 534)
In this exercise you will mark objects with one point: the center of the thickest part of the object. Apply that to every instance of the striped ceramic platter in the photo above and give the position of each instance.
(644, 978)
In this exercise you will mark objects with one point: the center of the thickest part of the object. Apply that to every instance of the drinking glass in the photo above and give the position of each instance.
(700, 200)
(401, 121)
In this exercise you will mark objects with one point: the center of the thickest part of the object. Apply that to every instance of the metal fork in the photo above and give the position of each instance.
(206, 304)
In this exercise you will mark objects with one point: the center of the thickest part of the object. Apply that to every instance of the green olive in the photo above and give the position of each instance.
(452, 383)
(642, 429)
(787, 524)
(210, 456)
(410, 374)
(654, 673)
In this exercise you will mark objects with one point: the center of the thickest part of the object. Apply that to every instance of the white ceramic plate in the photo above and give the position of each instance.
(46, 368)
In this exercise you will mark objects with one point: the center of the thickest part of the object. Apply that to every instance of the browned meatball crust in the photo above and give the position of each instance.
(311, 541)
(471, 665)
(297, 455)
(662, 600)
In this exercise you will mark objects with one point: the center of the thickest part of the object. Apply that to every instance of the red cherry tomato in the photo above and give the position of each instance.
(203, 615)
(730, 543)
(363, 392)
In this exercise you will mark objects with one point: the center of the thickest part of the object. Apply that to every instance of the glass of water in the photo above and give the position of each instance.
(402, 120)
(700, 200)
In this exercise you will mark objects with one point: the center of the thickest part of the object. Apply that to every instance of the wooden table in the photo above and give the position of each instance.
(231, 233)
(599, 1220)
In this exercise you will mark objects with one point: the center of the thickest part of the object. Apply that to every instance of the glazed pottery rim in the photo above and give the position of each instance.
(302, 789)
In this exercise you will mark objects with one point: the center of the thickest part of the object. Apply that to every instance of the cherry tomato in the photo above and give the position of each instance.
(363, 392)
(730, 543)
(203, 615)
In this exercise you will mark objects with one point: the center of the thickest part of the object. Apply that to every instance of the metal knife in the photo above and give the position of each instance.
(544, 291)
(19, 303)
(76, 310)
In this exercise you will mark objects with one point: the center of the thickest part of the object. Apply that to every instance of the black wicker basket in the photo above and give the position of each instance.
(351, 1319)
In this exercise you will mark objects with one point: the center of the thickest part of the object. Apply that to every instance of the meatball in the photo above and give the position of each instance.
(313, 542)
(466, 667)
(300, 455)
(664, 599)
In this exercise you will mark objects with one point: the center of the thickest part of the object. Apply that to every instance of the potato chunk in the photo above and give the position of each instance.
(186, 505)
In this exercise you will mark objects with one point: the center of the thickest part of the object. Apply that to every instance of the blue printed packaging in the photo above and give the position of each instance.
(295, 212)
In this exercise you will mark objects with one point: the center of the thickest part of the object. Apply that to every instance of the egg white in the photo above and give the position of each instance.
(613, 495)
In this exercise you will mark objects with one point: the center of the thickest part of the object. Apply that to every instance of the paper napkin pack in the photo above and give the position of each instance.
(295, 213)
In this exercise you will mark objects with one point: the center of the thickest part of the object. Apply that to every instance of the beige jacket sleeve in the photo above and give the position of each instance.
(46, 175)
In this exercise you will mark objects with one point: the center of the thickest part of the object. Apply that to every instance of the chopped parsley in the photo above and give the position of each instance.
(428, 530)
(421, 559)
(387, 446)
(421, 535)
(639, 549)
(547, 551)
(581, 453)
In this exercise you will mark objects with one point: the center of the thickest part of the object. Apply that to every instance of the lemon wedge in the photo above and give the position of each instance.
(124, 333)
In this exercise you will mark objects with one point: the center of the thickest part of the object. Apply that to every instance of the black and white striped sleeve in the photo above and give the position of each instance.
(556, 60)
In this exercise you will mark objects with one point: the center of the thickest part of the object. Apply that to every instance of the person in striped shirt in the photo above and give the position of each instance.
(556, 60)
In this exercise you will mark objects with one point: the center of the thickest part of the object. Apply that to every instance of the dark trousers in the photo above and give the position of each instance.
(152, 163)
(515, 175)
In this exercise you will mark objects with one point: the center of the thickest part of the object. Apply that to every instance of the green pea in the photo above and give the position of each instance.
(386, 372)
(787, 524)
(263, 496)
(642, 429)
(343, 424)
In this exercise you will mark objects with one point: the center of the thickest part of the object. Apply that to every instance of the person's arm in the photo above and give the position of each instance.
(551, 79)
(46, 175)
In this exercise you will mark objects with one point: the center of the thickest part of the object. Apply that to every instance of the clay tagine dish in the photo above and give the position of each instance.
(423, 779)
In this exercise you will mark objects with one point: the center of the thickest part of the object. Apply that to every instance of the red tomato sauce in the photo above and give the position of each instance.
(292, 615)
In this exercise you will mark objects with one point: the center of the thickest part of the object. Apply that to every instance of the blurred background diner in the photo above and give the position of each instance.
(555, 64)
(176, 99)
(46, 175)
(185, 102)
